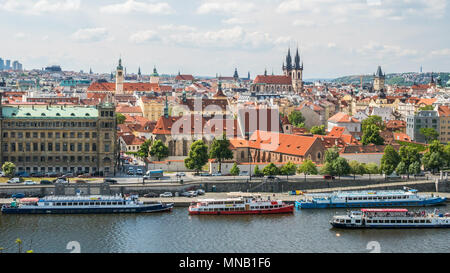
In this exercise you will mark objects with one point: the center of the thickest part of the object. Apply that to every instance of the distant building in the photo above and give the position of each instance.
(423, 119)
(379, 81)
(53, 68)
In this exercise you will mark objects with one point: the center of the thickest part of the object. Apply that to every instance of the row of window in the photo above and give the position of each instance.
(89, 203)
(50, 147)
(51, 159)
(50, 135)
(49, 124)
(377, 198)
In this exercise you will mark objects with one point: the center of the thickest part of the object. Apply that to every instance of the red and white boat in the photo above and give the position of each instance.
(241, 203)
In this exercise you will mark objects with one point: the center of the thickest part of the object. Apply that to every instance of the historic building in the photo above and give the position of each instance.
(378, 81)
(42, 138)
(291, 81)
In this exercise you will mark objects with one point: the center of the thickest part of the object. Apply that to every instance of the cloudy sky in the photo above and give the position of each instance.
(205, 37)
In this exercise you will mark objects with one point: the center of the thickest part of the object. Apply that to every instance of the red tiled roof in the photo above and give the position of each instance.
(343, 118)
(128, 87)
(273, 80)
(132, 140)
(444, 111)
(184, 78)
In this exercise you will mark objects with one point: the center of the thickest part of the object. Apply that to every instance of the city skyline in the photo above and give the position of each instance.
(335, 38)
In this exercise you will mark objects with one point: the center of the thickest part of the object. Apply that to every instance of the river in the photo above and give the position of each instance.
(177, 232)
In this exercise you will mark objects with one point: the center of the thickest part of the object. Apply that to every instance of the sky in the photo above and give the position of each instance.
(208, 37)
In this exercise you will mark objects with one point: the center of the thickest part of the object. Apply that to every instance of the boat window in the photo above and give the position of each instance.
(410, 221)
(358, 221)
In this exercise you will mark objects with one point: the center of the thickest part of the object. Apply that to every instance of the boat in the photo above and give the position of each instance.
(367, 199)
(78, 204)
(239, 203)
(391, 218)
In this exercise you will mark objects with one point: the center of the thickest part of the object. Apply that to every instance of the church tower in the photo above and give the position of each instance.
(294, 71)
(378, 81)
(154, 77)
(120, 78)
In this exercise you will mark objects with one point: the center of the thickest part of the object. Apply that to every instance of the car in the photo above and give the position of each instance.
(46, 182)
(216, 174)
(151, 195)
(68, 175)
(194, 193)
(166, 194)
(181, 174)
(29, 182)
(328, 177)
(18, 195)
(37, 174)
(85, 175)
(205, 174)
(200, 192)
(52, 174)
(2, 174)
(393, 175)
(187, 194)
(23, 174)
(61, 181)
(139, 172)
(257, 175)
(15, 180)
(109, 180)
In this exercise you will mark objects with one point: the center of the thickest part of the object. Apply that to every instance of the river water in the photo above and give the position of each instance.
(176, 231)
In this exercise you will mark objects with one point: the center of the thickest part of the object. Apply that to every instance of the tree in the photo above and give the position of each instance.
(308, 168)
(197, 157)
(401, 168)
(372, 120)
(389, 161)
(430, 134)
(372, 168)
(341, 167)
(331, 155)
(435, 158)
(120, 118)
(9, 169)
(235, 170)
(414, 168)
(371, 135)
(296, 119)
(258, 172)
(408, 155)
(220, 150)
(159, 150)
(288, 169)
(427, 108)
(328, 169)
(356, 168)
(270, 169)
(144, 150)
(318, 130)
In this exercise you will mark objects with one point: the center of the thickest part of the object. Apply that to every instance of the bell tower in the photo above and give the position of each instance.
(120, 78)
(297, 74)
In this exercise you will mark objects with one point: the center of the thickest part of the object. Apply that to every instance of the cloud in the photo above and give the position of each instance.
(135, 6)
(20, 35)
(236, 21)
(91, 35)
(144, 36)
(39, 7)
(441, 52)
(225, 6)
(304, 23)
(384, 51)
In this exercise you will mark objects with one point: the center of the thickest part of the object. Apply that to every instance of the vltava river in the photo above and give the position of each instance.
(303, 231)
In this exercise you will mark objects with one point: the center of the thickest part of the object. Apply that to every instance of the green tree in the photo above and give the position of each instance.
(372, 168)
(414, 168)
(401, 168)
(120, 118)
(371, 135)
(257, 171)
(307, 168)
(327, 169)
(296, 119)
(288, 169)
(197, 157)
(235, 170)
(372, 120)
(341, 167)
(144, 149)
(408, 155)
(435, 158)
(318, 130)
(389, 161)
(220, 150)
(270, 169)
(427, 108)
(9, 169)
(356, 168)
(159, 150)
(430, 134)
(331, 155)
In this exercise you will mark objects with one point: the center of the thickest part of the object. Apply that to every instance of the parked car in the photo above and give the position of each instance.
(18, 195)
(139, 172)
(46, 182)
(194, 193)
(109, 180)
(393, 175)
(200, 192)
(166, 194)
(328, 177)
(29, 182)
(61, 181)
(2, 174)
(257, 175)
(216, 174)
(243, 173)
(85, 175)
(187, 194)
(130, 171)
(68, 175)
(15, 180)
(205, 174)
(151, 195)
(181, 174)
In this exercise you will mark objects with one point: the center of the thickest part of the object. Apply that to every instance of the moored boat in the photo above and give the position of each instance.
(391, 218)
(367, 199)
(240, 203)
(95, 204)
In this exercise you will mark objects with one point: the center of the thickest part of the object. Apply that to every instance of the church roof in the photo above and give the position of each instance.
(284, 80)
